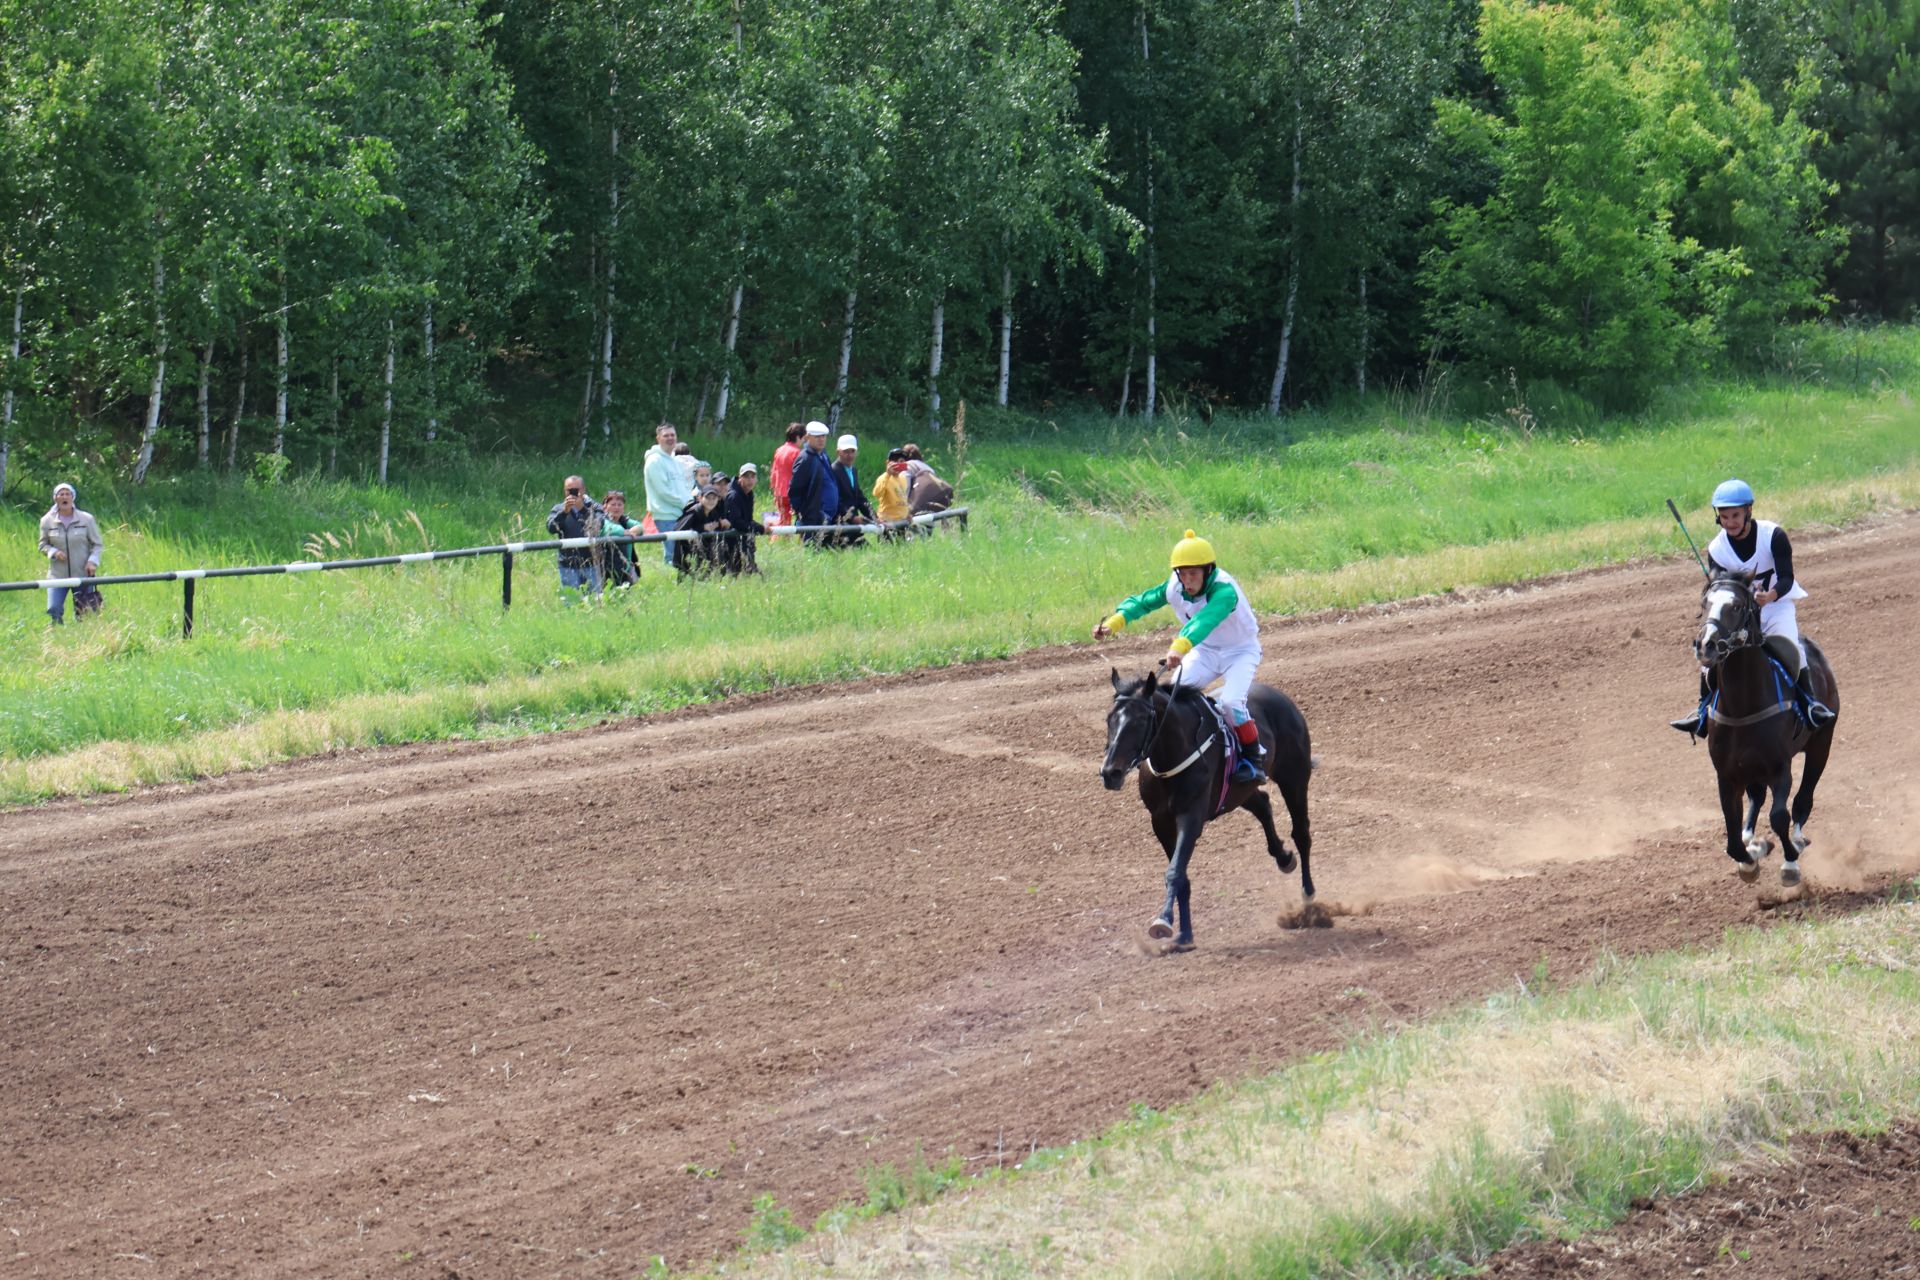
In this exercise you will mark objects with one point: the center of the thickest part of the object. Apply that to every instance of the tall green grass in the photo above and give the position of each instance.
(1392, 495)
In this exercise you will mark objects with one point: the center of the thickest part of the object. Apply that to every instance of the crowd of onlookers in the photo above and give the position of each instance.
(821, 497)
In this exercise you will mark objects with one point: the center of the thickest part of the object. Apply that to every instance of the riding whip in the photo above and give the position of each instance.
(1689, 537)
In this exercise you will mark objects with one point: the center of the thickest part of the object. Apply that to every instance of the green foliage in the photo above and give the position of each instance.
(772, 1228)
(1648, 206)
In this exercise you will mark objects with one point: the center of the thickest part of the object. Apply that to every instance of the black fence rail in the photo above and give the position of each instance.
(506, 551)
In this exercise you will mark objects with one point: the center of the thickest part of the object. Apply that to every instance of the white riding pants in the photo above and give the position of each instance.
(1234, 668)
(1780, 619)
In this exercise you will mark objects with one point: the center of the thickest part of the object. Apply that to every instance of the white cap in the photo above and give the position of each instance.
(816, 428)
(847, 442)
(747, 467)
(62, 485)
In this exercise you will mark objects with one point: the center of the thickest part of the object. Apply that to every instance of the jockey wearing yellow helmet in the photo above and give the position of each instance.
(1219, 638)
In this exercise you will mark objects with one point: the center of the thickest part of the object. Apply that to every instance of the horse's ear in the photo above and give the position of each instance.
(1153, 681)
(1116, 679)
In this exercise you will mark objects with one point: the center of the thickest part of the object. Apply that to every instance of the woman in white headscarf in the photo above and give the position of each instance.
(70, 540)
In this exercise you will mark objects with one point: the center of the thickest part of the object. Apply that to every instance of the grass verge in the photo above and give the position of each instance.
(1372, 501)
(570, 691)
(1539, 1112)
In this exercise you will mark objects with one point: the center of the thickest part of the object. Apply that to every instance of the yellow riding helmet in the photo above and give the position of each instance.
(1191, 552)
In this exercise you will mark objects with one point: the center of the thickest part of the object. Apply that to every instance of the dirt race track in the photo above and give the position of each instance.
(561, 1004)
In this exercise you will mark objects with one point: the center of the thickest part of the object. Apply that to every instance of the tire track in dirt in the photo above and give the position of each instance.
(570, 1002)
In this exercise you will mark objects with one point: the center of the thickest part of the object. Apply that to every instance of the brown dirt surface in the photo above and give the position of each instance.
(1836, 1207)
(563, 1004)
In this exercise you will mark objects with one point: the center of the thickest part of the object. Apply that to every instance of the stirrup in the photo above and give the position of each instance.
(1248, 770)
(1817, 714)
(1695, 725)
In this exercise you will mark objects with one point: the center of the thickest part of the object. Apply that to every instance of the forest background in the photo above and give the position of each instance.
(279, 235)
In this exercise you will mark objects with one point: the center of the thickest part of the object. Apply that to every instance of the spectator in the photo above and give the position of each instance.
(813, 484)
(737, 554)
(702, 475)
(854, 507)
(576, 516)
(890, 492)
(703, 515)
(925, 490)
(70, 540)
(669, 484)
(783, 459)
(615, 560)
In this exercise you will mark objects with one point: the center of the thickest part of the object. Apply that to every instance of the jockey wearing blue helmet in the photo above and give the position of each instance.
(1760, 549)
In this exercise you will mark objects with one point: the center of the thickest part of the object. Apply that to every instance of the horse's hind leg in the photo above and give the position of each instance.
(1777, 817)
(1294, 792)
(1818, 749)
(1261, 808)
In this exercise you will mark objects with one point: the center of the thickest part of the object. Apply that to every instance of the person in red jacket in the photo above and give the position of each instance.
(783, 459)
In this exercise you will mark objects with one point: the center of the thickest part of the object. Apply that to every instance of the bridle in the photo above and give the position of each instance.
(1156, 721)
(1728, 639)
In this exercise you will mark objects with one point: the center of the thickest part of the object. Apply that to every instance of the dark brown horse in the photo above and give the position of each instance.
(1170, 733)
(1754, 731)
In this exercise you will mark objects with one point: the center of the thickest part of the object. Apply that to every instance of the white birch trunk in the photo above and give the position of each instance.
(666, 392)
(593, 350)
(613, 254)
(1126, 379)
(280, 372)
(934, 358)
(6, 397)
(586, 395)
(433, 398)
(239, 403)
(726, 373)
(1006, 331)
(386, 408)
(159, 387)
(706, 390)
(846, 362)
(1278, 389)
(200, 402)
(333, 415)
(1153, 267)
(1360, 364)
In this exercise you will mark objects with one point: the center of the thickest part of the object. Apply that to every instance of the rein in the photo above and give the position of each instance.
(1155, 723)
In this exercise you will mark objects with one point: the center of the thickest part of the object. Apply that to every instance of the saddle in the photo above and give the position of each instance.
(1786, 698)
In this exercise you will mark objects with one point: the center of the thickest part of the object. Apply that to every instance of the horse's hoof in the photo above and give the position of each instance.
(1747, 871)
(1761, 849)
(1160, 930)
(1285, 861)
(1790, 873)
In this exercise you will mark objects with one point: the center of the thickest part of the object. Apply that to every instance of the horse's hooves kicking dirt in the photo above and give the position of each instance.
(1747, 871)
(1789, 873)
(1313, 914)
(1160, 930)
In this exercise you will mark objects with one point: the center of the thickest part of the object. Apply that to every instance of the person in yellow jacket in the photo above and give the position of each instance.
(890, 490)
(1219, 638)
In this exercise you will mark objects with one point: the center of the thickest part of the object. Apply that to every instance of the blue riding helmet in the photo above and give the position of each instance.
(1733, 493)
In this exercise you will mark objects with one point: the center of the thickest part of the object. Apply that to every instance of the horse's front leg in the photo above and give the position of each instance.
(1782, 823)
(1756, 797)
(1730, 797)
(1178, 886)
(1168, 833)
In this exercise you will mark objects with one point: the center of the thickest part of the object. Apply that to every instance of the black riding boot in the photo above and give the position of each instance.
(1252, 766)
(1816, 713)
(1695, 725)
